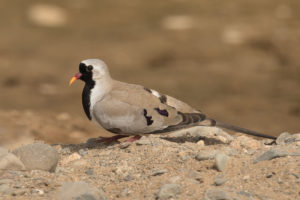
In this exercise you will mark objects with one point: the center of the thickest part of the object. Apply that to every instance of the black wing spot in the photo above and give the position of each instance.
(148, 119)
(162, 112)
(148, 90)
(114, 130)
(163, 99)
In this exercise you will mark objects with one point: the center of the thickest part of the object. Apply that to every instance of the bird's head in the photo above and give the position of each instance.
(90, 70)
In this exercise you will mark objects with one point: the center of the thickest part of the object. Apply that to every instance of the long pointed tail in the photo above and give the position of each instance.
(242, 130)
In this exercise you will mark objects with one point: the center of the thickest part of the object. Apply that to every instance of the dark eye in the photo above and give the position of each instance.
(90, 68)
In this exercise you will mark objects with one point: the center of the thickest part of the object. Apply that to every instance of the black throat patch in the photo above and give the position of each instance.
(89, 85)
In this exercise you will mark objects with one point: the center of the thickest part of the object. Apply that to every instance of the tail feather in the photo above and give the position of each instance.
(243, 130)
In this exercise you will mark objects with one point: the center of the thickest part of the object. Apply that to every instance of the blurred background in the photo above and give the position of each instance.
(237, 61)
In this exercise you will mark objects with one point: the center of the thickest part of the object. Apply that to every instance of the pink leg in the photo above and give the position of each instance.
(110, 139)
(137, 137)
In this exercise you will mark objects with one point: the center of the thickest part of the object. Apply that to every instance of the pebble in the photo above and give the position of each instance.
(195, 175)
(271, 154)
(168, 191)
(206, 155)
(38, 156)
(6, 189)
(216, 194)
(244, 193)
(83, 152)
(159, 172)
(282, 137)
(220, 180)
(221, 161)
(90, 171)
(79, 191)
(201, 143)
(9, 161)
(124, 145)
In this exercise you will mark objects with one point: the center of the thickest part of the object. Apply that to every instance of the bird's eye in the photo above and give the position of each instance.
(90, 68)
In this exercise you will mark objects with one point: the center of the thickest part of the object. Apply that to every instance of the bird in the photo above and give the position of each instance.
(131, 110)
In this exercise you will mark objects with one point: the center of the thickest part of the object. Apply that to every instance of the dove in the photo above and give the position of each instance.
(126, 109)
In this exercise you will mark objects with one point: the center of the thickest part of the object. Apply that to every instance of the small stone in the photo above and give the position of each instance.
(5, 189)
(195, 175)
(70, 158)
(216, 194)
(269, 175)
(221, 161)
(282, 137)
(182, 156)
(271, 154)
(244, 193)
(128, 177)
(38, 156)
(9, 161)
(159, 172)
(220, 180)
(124, 145)
(168, 191)
(205, 155)
(143, 141)
(90, 171)
(201, 143)
(79, 191)
(83, 152)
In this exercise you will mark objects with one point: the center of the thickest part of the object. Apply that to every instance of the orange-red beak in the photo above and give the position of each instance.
(77, 76)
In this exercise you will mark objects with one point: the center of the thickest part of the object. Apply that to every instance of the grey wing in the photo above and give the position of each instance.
(131, 109)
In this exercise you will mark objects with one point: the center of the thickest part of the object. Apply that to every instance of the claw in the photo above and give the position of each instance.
(110, 139)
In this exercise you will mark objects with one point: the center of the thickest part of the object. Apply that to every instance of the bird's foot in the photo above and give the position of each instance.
(130, 140)
(110, 139)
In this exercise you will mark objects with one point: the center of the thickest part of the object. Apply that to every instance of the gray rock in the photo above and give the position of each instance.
(89, 171)
(195, 175)
(79, 191)
(216, 194)
(159, 172)
(206, 155)
(244, 193)
(9, 161)
(5, 189)
(124, 145)
(83, 152)
(221, 161)
(210, 135)
(271, 154)
(220, 180)
(282, 137)
(38, 156)
(168, 191)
